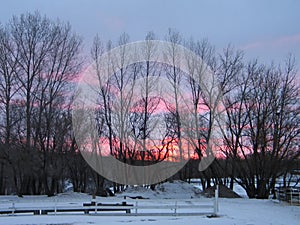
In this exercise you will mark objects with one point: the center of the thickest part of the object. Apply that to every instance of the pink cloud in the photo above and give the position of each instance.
(279, 42)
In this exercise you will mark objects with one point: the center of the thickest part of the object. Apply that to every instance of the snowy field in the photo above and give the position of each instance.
(232, 211)
(241, 211)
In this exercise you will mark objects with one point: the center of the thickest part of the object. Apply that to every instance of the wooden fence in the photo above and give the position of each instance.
(289, 194)
(132, 207)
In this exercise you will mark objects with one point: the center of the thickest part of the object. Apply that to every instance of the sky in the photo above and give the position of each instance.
(267, 30)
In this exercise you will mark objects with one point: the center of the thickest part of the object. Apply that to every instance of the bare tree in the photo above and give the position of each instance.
(8, 89)
(263, 127)
(197, 132)
(175, 77)
(41, 57)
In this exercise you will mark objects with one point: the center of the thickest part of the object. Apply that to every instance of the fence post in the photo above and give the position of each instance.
(216, 202)
(55, 205)
(175, 208)
(13, 208)
(136, 207)
(291, 194)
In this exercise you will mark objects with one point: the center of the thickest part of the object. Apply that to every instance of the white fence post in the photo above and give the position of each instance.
(136, 207)
(55, 205)
(13, 208)
(216, 202)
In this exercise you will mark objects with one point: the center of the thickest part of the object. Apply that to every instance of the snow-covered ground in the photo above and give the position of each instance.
(231, 211)
(174, 190)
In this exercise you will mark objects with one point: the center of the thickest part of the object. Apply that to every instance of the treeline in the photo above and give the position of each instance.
(39, 65)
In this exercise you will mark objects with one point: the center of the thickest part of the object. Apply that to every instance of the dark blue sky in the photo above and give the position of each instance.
(268, 30)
